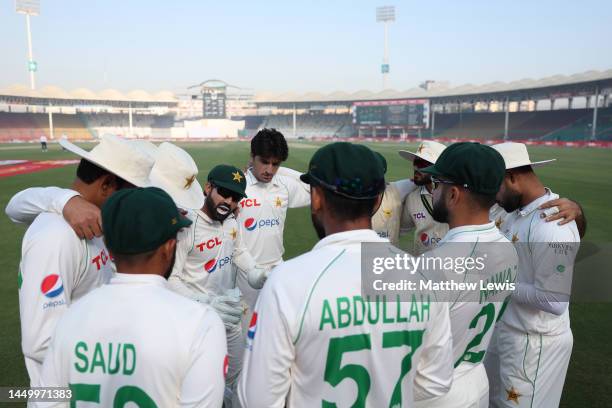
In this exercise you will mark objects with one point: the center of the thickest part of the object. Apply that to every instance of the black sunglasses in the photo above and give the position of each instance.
(227, 193)
(436, 182)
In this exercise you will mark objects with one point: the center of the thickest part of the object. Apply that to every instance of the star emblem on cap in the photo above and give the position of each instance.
(278, 202)
(233, 233)
(237, 177)
(513, 395)
(189, 181)
(421, 147)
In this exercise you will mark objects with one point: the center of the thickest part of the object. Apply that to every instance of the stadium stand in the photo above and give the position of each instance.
(312, 125)
(30, 126)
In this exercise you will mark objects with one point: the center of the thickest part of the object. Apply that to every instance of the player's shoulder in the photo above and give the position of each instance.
(51, 228)
(303, 270)
(545, 231)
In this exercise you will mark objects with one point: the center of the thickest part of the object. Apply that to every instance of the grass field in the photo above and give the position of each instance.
(581, 174)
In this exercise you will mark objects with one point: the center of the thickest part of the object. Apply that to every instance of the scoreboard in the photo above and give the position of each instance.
(214, 103)
(413, 113)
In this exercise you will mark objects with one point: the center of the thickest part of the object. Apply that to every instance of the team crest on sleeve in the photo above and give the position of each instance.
(252, 329)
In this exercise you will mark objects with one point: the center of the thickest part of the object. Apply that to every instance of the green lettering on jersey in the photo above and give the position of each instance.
(98, 359)
(326, 316)
(424, 308)
(344, 312)
(115, 369)
(414, 309)
(386, 319)
(129, 357)
(400, 319)
(373, 305)
(79, 351)
(357, 320)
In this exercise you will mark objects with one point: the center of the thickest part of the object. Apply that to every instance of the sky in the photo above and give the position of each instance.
(301, 46)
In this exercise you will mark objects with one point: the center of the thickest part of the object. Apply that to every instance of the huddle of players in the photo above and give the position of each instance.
(299, 313)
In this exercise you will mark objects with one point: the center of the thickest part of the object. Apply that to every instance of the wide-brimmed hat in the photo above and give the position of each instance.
(119, 156)
(428, 150)
(176, 173)
(516, 155)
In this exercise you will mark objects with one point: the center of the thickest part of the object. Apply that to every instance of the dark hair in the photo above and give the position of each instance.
(346, 209)
(88, 173)
(269, 143)
(134, 259)
(484, 201)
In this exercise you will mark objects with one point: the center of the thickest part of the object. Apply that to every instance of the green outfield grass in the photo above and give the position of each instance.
(581, 174)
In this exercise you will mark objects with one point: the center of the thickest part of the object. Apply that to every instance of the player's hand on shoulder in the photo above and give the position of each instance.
(562, 209)
(84, 217)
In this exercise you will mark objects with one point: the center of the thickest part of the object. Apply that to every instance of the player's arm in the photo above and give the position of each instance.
(83, 216)
(434, 370)
(553, 250)
(404, 187)
(568, 211)
(43, 297)
(299, 192)
(27, 204)
(204, 382)
(266, 377)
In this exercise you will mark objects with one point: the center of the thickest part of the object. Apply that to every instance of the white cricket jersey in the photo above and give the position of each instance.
(314, 339)
(547, 252)
(135, 341)
(207, 252)
(387, 219)
(56, 269)
(472, 321)
(417, 214)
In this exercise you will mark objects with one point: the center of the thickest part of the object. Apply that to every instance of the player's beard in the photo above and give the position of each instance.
(511, 201)
(421, 179)
(213, 210)
(440, 210)
(318, 226)
(171, 266)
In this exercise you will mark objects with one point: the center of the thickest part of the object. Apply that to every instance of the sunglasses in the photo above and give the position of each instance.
(436, 182)
(227, 193)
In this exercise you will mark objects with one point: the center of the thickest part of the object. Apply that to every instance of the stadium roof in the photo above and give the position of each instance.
(462, 90)
(54, 92)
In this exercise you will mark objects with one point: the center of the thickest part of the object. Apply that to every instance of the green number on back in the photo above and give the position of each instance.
(488, 311)
(334, 373)
(84, 392)
(125, 394)
(414, 339)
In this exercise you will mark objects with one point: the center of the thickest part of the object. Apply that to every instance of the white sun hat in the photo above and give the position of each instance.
(119, 156)
(175, 172)
(148, 147)
(428, 150)
(516, 155)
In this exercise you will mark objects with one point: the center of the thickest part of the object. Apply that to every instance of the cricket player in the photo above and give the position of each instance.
(133, 341)
(207, 257)
(56, 266)
(533, 341)
(466, 178)
(417, 211)
(309, 343)
(387, 220)
(270, 193)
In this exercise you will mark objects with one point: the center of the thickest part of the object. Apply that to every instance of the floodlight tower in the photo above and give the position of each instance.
(385, 15)
(29, 8)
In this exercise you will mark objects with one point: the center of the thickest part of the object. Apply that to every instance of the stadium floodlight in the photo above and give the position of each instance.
(385, 15)
(29, 8)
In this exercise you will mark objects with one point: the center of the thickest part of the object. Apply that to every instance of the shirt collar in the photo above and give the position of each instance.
(532, 206)
(350, 237)
(138, 278)
(424, 191)
(467, 229)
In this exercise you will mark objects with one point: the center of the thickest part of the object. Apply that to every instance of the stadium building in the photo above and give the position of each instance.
(572, 109)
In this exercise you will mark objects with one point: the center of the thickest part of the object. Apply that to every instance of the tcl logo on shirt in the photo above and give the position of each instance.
(249, 202)
(210, 244)
(419, 216)
(251, 223)
(100, 260)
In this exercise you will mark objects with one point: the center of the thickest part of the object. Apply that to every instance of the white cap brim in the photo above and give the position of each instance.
(532, 164)
(190, 199)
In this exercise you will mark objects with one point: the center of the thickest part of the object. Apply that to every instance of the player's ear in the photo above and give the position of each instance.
(316, 199)
(108, 185)
(207, 189)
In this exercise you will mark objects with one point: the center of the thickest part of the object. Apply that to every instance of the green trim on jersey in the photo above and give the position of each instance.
(471, 230)
(529, 232)
(426, 204)
(311, 291)
(537, 370)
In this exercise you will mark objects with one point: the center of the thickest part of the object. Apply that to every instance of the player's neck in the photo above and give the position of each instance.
(532, 190)
(461, 219)
(87, 191)
(335, 227)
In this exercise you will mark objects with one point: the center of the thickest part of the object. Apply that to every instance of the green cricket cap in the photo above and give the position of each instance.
(138, 220)
(475, 166)
(350, 170)
(229, 177)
